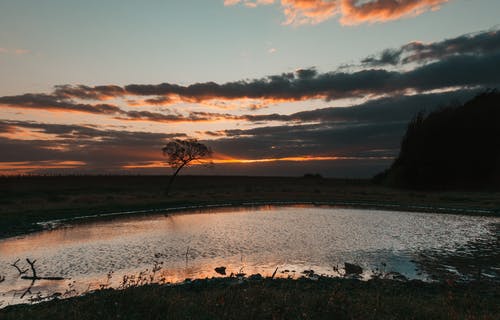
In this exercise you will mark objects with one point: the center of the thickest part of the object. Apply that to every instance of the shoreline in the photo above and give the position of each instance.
(29, 203)
(186, 209)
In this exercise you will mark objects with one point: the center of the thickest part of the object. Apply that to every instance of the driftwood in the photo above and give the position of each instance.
(35, 276)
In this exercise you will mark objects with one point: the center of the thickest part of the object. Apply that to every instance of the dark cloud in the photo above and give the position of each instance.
(177, 117)
(461, 70)
(372, 129)
(482, 43)
(306, 73)
(465, 61)
(82, 143)
(88, 93)
(397, 108)
(359, 140)
(368, 135)
(54, 102)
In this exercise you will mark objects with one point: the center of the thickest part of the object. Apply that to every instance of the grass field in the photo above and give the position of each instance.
(228, 298)
(27, 200)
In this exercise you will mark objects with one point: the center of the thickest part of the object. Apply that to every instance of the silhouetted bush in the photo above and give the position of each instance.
(456, 146)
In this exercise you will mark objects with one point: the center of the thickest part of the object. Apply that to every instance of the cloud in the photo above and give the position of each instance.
(308, 12)
(391, 109)
(175, 117)
(366, 135)
(351, 12)
(100, 150)
(87, 133)
(54, 102)
(384, 10)
(464, 70)
(477, 44)
(59, 101)
(88, 93)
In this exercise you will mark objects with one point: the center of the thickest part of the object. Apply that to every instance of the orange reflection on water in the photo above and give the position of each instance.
(122, 228)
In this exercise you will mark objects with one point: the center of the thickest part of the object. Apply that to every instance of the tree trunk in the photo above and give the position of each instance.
(172, 178)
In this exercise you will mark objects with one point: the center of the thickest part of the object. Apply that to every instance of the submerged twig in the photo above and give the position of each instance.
(187, 257)
(274, 273)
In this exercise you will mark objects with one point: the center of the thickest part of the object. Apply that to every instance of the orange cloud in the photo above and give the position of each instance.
(352, 12)
(224, 159)
(21, 167)
(384, 10)
(308, 11)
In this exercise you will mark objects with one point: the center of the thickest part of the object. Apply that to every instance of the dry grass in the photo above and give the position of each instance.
(231, 298)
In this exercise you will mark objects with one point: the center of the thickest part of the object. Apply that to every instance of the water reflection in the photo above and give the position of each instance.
(247, 240)
(477, 259)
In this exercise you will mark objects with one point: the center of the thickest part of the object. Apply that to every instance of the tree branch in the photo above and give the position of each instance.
(21, 272)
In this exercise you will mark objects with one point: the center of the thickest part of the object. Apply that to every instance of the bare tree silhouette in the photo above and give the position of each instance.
(182, 153)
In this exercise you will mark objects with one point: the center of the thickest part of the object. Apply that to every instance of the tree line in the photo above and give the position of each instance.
(457, 146)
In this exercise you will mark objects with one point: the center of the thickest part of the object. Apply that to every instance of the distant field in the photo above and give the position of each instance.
(27, 200)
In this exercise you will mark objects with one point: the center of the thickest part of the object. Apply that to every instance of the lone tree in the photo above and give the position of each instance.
(182, 153)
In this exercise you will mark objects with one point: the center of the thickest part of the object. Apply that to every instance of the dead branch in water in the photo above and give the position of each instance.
(32, 265)
(21, 272)
(274, 273)
(28, 290)
(34, 276)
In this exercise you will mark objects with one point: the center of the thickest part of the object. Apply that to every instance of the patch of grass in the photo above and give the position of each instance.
(230, 298)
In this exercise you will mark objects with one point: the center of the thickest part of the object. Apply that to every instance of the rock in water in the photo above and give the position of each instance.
(351, 269)
(221, 270)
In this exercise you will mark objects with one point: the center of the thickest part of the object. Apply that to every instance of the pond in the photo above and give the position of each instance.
(172, 247)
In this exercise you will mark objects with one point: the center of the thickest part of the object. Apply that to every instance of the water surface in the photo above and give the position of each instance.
(244, 240)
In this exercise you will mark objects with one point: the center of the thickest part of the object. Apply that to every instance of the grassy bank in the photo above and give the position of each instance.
(276, 299)
(28, 200)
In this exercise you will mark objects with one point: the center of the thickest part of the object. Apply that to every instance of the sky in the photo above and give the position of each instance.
(283, 87)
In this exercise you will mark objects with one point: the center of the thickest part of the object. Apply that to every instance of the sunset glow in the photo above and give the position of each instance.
(329, 86)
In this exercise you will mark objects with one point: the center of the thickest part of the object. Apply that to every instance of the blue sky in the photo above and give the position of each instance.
(95, 50)
(131, 41)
